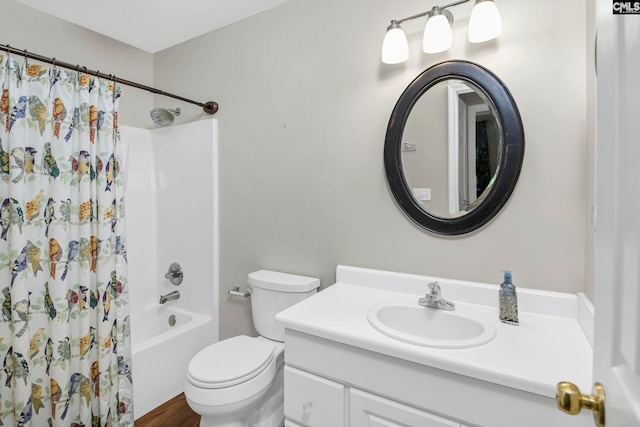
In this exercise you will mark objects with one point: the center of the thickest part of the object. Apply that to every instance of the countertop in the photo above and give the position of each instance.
(534, 356)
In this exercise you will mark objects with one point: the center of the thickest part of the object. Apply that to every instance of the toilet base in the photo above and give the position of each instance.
(223, 423)
(269, 413)
(236, 415)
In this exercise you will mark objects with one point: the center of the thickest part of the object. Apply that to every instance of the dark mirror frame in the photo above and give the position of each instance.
(511, 157)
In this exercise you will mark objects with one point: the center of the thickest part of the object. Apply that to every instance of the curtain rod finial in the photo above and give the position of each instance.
(210, 107)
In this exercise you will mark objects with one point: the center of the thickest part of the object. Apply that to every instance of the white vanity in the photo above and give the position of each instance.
(342, 372)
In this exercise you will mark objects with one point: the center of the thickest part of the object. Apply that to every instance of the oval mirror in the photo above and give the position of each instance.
(454, 148)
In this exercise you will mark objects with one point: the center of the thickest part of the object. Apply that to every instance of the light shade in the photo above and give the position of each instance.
(395, 48)
(485, 23)
(437, 34)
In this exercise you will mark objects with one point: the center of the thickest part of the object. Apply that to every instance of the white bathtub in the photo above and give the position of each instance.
(161, 353)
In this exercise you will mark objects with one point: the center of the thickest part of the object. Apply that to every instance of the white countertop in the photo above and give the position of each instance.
(547, 347)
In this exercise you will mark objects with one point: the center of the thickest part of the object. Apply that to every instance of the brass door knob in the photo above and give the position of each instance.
(571, 401)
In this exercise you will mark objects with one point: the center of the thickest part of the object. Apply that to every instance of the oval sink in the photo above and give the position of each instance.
(430, 327)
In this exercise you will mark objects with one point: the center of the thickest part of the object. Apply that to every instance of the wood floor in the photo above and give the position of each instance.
(174, 413)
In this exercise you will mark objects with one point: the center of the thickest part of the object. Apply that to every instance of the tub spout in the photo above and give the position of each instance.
(169, 297)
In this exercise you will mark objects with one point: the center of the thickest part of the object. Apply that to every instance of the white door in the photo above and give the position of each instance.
(617, 250)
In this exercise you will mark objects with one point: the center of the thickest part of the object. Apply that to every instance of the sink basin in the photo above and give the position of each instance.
(430, 327)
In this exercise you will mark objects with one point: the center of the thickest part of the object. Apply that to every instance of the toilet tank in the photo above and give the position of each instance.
(272, 292)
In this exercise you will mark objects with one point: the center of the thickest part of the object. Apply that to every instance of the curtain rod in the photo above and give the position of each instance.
(209, 107)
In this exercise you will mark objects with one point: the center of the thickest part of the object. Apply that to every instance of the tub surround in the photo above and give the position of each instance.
(163, 228)
(520, 367)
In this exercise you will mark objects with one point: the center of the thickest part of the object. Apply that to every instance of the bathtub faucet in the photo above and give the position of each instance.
(175, 274)
(169, 297)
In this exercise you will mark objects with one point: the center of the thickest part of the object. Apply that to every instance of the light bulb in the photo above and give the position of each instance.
(437, 34)
(485, 23)
(395, 48)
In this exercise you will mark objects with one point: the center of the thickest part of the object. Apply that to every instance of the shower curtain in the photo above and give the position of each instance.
(64, 327)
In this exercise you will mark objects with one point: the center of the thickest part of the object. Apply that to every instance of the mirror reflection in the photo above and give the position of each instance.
(451, 148)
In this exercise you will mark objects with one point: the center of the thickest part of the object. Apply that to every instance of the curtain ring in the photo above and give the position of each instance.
(115, 86)
(26, 61)
(52, 75)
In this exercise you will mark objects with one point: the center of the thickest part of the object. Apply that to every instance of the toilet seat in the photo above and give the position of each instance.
(230, 362)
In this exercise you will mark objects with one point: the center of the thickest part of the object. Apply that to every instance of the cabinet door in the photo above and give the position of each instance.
(312, 401)
(368, 410)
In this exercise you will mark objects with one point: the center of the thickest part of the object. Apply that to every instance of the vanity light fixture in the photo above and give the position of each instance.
(395, 48)
(437, 32)
(484, 24)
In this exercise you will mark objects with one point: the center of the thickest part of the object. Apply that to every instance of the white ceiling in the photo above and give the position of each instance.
(152, 25)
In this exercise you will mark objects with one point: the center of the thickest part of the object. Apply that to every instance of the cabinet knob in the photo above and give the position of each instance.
(307, 407)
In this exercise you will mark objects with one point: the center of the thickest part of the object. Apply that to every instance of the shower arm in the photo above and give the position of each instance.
(210, 107)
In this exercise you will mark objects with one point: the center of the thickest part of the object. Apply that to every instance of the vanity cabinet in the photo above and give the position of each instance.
(330, 384)
(369, 410)
(313, 401)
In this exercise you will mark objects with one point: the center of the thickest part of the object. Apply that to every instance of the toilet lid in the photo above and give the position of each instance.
(230, 362)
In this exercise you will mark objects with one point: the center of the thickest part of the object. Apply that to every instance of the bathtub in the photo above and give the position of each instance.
(159, 371)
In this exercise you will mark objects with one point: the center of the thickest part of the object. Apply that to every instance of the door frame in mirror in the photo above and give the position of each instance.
(510, 162)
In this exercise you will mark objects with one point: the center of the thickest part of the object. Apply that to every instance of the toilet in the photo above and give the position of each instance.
(239, 382)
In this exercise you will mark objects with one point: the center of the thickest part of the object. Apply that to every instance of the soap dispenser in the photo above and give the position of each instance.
(508, 300)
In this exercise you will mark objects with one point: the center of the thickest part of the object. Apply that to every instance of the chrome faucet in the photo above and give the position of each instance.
(434, 299)
(169, 297)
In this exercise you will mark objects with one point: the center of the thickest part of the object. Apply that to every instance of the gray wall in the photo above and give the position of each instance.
(304, 108)
(305, 102)
(591, 132)
(26, 28)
